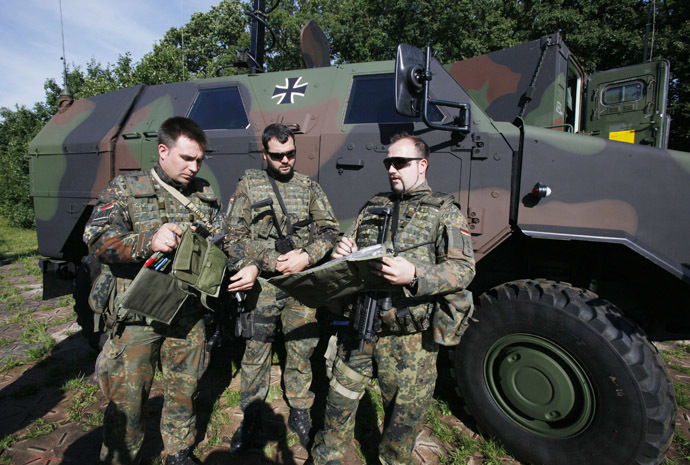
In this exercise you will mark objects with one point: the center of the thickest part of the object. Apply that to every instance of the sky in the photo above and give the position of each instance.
(31, 41)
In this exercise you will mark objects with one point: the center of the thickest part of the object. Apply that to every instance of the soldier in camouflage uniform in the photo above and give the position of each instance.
(315, 233)
(134, 218)
(435, 258)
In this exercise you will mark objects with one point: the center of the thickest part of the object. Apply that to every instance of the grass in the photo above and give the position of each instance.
(215, 425)
(34, 333)
(16, 243)
(274, 392)
(461, 445)
(682, 394)
(9, 364)
(84, 397)
(39, 428)
(93, 420)
(5, 342)
(683, 445)
(7, 442)
(232, 398)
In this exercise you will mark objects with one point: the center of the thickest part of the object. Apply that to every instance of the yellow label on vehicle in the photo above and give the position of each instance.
(623, 136)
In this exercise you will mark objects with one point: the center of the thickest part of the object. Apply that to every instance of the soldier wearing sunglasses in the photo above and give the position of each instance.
(305, 217)
(433, 260)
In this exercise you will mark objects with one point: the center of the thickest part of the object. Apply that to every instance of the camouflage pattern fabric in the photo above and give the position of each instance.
(404, 354)
(129, 211)
(254, 230)
(125, 370)
(301, 333)
(406, 371)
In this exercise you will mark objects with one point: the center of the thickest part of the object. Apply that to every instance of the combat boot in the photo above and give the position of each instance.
(181, 458)
(243, 437)
(300, 423)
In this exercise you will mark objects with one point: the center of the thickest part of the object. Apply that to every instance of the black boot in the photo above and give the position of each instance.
(300, 423)
(183, 457)
(243, 437)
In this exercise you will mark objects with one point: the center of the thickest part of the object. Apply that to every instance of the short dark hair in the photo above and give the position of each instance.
(420, 146)
(173, 128)
(276, 131)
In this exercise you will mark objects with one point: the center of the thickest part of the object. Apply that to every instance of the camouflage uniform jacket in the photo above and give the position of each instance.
(431, 233)
(129, 212)
(254, 229)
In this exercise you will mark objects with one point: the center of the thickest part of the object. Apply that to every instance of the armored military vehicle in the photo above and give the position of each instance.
(578, 213)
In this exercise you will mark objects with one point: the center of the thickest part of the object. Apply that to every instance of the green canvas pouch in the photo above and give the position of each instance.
(451, 317)
(153, 294)
(101, 289)
(199, 263)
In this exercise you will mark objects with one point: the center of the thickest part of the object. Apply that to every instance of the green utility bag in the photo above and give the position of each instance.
(200, 264)
(154, 294)
(102, 288)
(451, 317)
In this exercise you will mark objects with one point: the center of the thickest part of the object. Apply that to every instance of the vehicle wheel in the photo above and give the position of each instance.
(560, 376)
(85, 275)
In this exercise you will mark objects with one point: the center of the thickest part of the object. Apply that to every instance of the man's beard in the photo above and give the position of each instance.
(277, 174)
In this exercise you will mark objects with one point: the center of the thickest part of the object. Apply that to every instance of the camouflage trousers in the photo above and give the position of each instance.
(125, 370)
(301, 335)
(406, 368)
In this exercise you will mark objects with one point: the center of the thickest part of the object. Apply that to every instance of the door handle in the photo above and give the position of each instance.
(341, 164)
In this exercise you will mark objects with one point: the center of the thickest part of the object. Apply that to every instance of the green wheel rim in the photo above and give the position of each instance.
(539, 386)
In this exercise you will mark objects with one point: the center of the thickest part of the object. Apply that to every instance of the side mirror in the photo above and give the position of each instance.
(409, 81)
(412, 77)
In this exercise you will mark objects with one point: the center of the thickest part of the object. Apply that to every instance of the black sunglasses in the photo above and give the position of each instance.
(278, 156)
(398, 162)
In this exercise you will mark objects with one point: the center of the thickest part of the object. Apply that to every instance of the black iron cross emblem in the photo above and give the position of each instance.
(291, 88)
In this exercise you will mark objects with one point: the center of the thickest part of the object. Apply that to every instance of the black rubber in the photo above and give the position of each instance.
(634, 410)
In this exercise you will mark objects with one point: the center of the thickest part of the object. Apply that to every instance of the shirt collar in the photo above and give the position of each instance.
(167, 179)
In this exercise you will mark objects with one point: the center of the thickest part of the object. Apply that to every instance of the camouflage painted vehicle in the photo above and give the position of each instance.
(581, 241)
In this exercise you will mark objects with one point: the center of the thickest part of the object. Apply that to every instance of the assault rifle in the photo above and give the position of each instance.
(367, 321)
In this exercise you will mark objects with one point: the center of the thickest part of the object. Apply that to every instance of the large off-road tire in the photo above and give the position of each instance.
(560, 376)
(86, 274)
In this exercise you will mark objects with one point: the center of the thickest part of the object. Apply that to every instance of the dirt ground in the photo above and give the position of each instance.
(51, 410)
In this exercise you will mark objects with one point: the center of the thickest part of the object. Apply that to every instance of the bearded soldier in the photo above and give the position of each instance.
(433, 260)
(138, 220)
(289, 216)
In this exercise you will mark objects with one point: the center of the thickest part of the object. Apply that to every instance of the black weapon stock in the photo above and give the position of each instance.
(366, 320)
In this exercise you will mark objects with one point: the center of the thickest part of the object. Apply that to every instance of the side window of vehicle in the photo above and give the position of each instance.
(630, 91)
(219, 108)
(372, 100)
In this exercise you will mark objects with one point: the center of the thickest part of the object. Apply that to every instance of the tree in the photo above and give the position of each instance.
(207, 43)
(17, 128)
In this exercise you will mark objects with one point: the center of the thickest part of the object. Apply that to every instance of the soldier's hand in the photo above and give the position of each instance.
(244, 279)
(345, 247)
(292, 262)
(395, 270)
(167, 238)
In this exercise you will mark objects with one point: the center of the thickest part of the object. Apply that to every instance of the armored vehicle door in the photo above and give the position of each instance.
(629, 104)
(352, 151)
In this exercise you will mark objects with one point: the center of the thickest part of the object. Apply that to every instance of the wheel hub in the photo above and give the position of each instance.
(539, 386)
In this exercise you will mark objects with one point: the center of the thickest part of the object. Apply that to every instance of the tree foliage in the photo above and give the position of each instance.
(603, 34)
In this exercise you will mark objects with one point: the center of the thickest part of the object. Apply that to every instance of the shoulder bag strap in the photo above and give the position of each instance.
(182, 199)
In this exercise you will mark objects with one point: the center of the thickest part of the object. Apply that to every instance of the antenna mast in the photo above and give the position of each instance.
(65, 99)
